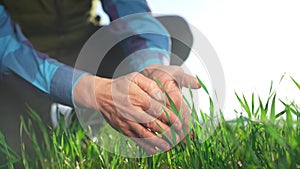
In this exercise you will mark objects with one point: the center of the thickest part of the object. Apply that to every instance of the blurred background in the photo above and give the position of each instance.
(256, 41)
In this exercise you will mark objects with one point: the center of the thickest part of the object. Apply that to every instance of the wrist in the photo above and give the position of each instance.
(84, 92)
(91, 91)
(102, 92)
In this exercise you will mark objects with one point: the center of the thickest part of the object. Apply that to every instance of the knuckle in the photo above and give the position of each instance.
(155, 113)
(152, 84)
(143, 133)
(156, 110)
(170, 85)
(177, 69)
(177, 125)
(174, 119)
(134, 75)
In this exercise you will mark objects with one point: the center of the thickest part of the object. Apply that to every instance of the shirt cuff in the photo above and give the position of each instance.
(63, 84)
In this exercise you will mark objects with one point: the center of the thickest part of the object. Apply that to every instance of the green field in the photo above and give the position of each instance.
(268, 137)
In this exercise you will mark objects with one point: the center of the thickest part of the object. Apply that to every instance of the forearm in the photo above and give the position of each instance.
(150, 43)
(19, 57)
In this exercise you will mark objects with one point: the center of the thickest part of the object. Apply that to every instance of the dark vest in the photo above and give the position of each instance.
(55, 27)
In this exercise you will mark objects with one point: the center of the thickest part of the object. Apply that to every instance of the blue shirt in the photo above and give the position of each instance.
(18, 56)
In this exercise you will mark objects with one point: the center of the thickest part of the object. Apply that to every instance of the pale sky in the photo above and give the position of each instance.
(257, 41)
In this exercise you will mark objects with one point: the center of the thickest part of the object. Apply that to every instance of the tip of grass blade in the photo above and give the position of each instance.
(296, 83)
(202, 85)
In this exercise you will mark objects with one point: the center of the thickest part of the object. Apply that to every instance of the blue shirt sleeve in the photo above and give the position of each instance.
(151, 43)
(18, 56)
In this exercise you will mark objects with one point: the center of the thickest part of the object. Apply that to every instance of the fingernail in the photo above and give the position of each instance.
(198, 84)
(158, 94)
(176, 125)
(154, 150)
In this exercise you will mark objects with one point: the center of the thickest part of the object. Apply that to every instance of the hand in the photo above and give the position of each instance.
(130, 104)
(172, 78)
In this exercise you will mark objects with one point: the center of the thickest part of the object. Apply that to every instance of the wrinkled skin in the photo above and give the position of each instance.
(133, 104)
(172, 79)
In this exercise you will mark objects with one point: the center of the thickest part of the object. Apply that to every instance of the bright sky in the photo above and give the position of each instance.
(257, 41)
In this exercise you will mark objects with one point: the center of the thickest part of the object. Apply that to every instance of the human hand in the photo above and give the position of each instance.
(172, 79)
(130, 104)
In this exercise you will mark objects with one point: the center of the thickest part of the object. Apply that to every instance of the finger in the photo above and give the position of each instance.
(145, 145)
(163, 129)
(175, 96)
(155, 110)
(148, 85)
(169, 117)
(187, 80)
(164, 114)
(149, 137)
(186, 115)
(182, 108)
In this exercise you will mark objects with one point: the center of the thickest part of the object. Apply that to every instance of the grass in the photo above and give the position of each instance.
(267, 137)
